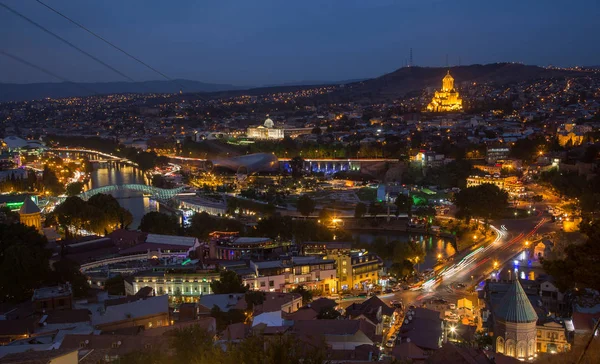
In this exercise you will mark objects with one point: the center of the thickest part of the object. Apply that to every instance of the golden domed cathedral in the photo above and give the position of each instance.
(447, 99)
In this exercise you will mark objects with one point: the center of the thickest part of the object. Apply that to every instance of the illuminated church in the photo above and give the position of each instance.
(447, 99)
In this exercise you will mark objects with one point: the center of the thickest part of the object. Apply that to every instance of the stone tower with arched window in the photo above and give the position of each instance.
(30, 214)
(515, 324)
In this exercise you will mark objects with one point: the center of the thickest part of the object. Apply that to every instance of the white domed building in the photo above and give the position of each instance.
(265, 131)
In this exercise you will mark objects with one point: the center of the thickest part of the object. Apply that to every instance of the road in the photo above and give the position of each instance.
(473, 267)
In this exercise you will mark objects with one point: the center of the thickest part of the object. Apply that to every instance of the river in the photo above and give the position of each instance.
(133, 201)
(431, 244)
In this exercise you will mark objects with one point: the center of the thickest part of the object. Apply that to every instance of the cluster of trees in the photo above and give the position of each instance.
(74, 188)
(195, 345)
(155, 222)
(579, 266)
(25, 263)
(453, 174)
(51, 183)
(403, 255)
(203, 224)
(485, 201)
(234, 204)
(100, 214)
(286, 228)
(12, 183)
(158, 180)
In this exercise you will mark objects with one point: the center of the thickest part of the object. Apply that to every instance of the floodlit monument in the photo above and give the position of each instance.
(447, 99)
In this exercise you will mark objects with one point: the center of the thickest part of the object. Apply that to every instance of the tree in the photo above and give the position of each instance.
(376, 208)
(328, 313)
(580, 267)
(73, 213)
(305, 205)
(74, 189)
(115, 285)
(297, 166)
(158, 223)
(254, 298)
(158, 180)
(360, 210)
(306, 294)
(51, 183)
(66, 270)
(229, 282)
(23, 261)
(316, 131)
(485, 201)
(112, 212)
(192, 344)
(144, 357)
(402, 269)
(404, 204)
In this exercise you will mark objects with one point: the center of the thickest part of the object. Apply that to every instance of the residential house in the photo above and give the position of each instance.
(338, 334)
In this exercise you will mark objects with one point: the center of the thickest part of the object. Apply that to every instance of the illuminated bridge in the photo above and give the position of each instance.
(155, 192)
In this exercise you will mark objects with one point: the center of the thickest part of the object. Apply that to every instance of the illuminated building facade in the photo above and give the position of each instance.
(266, 131)
(447, 99)
(511, 184)
(357, 270)
(185, 283)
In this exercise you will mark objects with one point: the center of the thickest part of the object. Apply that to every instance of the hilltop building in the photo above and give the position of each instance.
(447, 99)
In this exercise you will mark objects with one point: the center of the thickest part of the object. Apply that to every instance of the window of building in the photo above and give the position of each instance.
(539, 333)
(61, 302)
(263, 284)
(271, 283)
(344, 262)
(344, 270)
(82, 344)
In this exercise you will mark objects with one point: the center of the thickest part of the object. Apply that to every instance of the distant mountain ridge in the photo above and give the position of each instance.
(389, 86)
(33, 91)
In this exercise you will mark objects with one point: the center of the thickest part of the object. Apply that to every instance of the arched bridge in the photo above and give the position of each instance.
(159, 193)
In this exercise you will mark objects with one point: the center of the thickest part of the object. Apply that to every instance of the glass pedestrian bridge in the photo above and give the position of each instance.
(155, 192)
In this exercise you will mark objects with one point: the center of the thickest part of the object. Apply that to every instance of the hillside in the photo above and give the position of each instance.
(405, 80)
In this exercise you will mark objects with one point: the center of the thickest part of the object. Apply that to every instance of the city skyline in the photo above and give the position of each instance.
(271, 43)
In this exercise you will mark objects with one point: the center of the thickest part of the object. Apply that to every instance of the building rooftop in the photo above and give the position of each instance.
(248, 240)
(515, 306)
(171, 240)
(50, 292)
(131, 310)
(29, 207)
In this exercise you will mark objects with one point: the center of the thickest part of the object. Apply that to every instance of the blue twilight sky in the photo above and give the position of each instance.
(254, 42)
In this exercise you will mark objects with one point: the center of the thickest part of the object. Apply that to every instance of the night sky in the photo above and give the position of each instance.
(279, 41)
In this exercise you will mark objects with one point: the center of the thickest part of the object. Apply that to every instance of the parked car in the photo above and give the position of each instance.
(389, 290)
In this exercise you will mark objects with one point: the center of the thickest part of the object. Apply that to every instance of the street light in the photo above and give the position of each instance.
(495, 264)
(439, 256)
